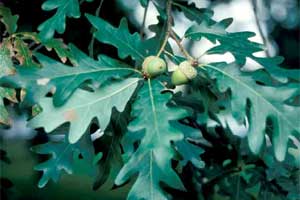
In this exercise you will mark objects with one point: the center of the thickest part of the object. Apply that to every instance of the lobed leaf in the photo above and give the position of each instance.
(84, 106)
(65, 79)
(153, 130)
(57, 23)
(259, 105)
(128, 44)
(9, 20)
(239, 45)
(63, 158)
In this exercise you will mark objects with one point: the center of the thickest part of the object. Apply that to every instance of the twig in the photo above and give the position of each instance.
(203, 54)
(182, 49)
(37, 48)
(144, 20)
(91, 45)
(254, 5)
(169, 24)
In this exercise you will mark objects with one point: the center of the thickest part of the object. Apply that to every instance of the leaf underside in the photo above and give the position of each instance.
(258, 104)
(83, 107)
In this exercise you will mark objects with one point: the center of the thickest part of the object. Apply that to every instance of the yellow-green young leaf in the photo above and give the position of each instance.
(152, 129)
(84, 106)
(259, 104)
(9, 20)
(9, 94)
(57, 23)
(64, 157)
(65, 79)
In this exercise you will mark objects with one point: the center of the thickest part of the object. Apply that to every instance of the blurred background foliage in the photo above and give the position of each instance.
(276, 22)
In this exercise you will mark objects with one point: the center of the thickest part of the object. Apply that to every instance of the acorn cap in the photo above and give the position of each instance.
(188, 70)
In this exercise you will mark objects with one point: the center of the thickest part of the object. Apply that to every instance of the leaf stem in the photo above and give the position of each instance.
(182, 49)
(144, 20)
(254, 5)
(91, 45)
(169, 24)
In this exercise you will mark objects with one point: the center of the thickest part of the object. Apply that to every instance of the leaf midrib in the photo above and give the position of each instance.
(91, 71)
(153, 109)
(105, 97)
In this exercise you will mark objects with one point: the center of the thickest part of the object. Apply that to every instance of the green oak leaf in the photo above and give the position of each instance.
(9, 20)
(128, 44)
(84, 106)
(188, 151)
(193, 13)
(154, 43)
(57, 23)
(295, 153)
(9, 94)
(64, 157)
(112, 160)
(65, 79)
(239, 45)
(152, 128)
(259, 104)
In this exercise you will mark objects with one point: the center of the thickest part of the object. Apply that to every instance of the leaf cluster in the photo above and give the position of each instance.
(231, 133)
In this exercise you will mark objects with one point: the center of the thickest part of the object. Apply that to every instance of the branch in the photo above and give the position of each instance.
(182, 49)
(144, 20)
(91, 45)
(169, 24)
(254, 5)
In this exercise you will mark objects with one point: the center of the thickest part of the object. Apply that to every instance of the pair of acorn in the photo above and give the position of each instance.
(154, 66)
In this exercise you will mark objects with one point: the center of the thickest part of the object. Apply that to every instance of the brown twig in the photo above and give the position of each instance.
(169, 25)
(182, 49)
(254, 5)
(144, 20)
(91, 45)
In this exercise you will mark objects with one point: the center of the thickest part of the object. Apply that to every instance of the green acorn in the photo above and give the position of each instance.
(154, 66)
(183, 74)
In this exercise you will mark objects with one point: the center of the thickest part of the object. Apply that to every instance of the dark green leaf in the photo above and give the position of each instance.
(63, 159)
(64, 9)
(66, 79)
(239, 45)
(9, 20)
(128, 44)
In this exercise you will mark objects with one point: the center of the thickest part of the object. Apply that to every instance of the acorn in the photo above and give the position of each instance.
(154, 66)
(184, 73)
